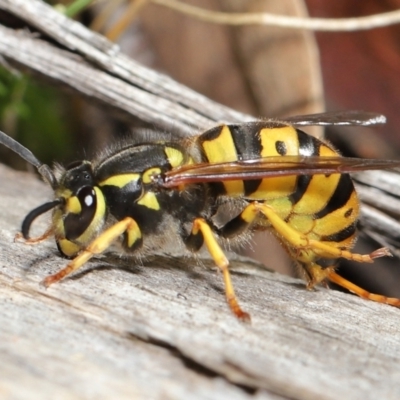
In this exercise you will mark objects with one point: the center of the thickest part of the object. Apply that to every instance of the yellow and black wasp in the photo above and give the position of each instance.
(281, 178)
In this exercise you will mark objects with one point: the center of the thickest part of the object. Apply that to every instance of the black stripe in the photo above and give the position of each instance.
(344, 234)
(193, 242)
(251, 186)
(217, 188)
(247, 141)
(233, 227)
(210, 134)
(302, 184)
(341, 196)
(248, 146)
(308, 145)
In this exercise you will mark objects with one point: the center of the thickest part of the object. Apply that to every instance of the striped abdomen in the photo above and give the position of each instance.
(325, 207)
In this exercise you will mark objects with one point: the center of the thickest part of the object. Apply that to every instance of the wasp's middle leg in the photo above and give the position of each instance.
(202, 233)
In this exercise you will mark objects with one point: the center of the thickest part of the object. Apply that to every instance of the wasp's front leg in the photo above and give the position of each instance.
(133, 237)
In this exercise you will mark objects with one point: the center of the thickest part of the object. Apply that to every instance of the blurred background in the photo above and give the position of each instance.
(263, 71)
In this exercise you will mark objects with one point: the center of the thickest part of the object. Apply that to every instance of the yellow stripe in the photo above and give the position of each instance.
(73, 205)
(319, 191)
(286, 134)
(272, 188)
(146, 176)
(100, 208)
(133, 235)
(97, 221)
(335, 221)
(120, 180)
(68, 248)
(72, 248)
(175, 157)
(222, 149)
(149, 200)
(325, 151)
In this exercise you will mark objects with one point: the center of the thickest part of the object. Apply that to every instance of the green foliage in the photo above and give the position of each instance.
(71, 8)
(34, 115)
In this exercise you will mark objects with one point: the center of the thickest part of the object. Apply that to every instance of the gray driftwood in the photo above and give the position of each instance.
(97, 68)
(163, 330)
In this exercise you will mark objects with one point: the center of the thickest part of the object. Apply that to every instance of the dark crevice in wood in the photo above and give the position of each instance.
(192, 364)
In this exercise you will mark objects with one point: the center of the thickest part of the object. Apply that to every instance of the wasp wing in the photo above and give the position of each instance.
(341, 118)
(271, 167)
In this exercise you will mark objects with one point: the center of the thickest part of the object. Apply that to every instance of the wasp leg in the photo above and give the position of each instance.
(201, 231)
(335, 278)
(100, 244)
(302, 242)
(49, 232)
(315, 274)
(318, 274)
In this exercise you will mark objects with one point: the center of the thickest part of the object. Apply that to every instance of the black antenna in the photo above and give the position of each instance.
(43, 169)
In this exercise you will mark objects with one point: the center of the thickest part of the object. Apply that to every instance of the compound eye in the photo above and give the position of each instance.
(87, 198)
(79, 218)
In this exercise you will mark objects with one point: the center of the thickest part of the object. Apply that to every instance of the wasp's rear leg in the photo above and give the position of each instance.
(300, 242)
(317, 274)
(335, 278)
(202, 232)
(127, 226)
(309, 249)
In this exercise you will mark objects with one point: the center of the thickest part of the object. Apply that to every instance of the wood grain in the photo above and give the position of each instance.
(162, 329)
(98, 69)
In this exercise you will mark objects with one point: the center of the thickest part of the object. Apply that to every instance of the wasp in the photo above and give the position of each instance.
(275, 175)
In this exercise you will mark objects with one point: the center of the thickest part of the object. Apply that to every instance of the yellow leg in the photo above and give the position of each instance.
(301, 242)
(200, 225)
(335, 278)
(100, 244)
(316, 273)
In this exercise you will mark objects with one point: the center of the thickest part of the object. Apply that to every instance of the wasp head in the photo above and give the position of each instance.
(78, 209)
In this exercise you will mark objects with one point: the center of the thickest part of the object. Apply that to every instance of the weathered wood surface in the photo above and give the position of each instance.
(163, 330)
(97, 68)
(118, 330)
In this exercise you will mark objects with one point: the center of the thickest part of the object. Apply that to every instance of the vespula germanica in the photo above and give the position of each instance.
(279, 177)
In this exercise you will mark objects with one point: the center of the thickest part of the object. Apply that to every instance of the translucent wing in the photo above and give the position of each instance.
(342, 118)
(270, 167)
